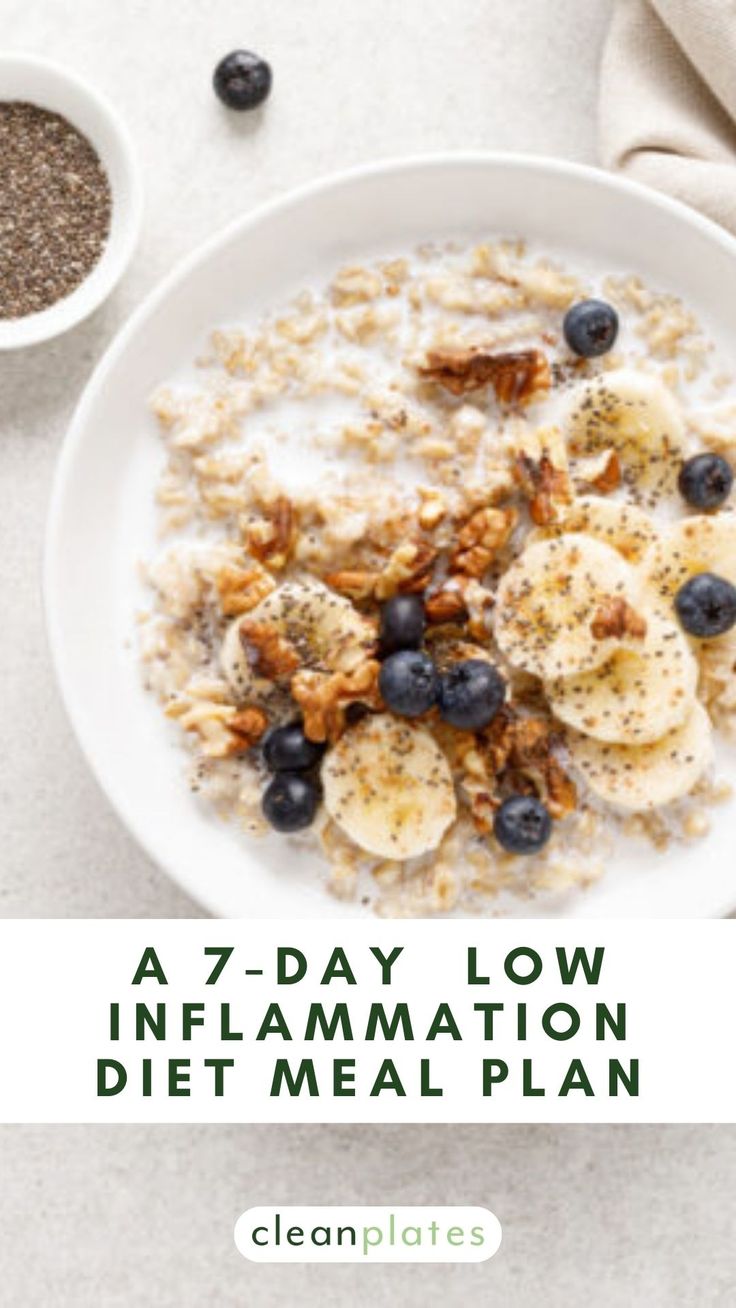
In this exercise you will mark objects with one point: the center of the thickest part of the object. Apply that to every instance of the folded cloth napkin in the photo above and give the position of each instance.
(667, 113)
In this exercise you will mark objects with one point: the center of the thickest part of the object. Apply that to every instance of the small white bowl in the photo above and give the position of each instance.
(27, 78)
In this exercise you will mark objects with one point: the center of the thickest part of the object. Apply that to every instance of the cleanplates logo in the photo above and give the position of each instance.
(376, 1234)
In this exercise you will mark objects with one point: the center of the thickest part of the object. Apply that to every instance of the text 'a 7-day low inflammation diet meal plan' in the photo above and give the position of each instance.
(368, 794)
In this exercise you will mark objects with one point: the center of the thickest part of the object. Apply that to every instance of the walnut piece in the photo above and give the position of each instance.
(615, 618)
(324, 697)
(532, 753)
(447, 604)
(601, 471)
(246, 729)
(241, 589)
(498, 739)
(223, 730)
(272, 538)
(272, 655)
(479, 540)
(541, 470)
(544, 485)
(514, 754)
(478, 601)
(522, 751)
(461, 600)
(515, 375)
(562, 795)
(353, 583)
(407, 570)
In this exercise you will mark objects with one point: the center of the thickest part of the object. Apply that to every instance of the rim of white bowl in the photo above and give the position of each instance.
(56, 88)
(147, 840)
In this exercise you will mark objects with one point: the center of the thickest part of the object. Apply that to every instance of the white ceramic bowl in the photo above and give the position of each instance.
(25, 77)
(101, 517)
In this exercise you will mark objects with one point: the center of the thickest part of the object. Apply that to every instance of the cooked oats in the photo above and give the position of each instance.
(403, 431)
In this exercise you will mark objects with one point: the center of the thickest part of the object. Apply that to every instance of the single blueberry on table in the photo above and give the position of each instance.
(470, 694)
(705, 481)
(287, 749)
(706, 605)
(408, 683)
(522, 825)
(403, 623)
(290, 801)
(590, 328)
(242, 80)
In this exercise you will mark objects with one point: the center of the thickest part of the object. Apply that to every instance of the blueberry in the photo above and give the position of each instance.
(242, 80)
(590, 327)
(522, 825)
(706, 605)
(290, 801)
(402, 623)
(470, 694)
(705, 481)
(408, 683)
(287, 749)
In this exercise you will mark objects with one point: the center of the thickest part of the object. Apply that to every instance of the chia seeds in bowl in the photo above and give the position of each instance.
(55, 208)
(70, 200)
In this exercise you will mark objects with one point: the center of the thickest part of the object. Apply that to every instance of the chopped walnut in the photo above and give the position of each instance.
(515, 375)
(541, 470)
(513, 753)
(601, 471)
(616, 619)
(471, 765)
(356, 585)
(482, 810)
(324, 697)
(246, 728)
(272, 538)
(479, 602)
(562, 795)
(223, 730)
(532, 753)
(480, 539)
(447, 604)
(272, 654)
(543, 484)
(498, 739)
(461, 600)
(408, 569)
(241, 589)
(522, 751)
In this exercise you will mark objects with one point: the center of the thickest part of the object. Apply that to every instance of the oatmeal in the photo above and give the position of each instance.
(446, 577)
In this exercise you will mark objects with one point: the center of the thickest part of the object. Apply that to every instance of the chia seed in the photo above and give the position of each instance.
(55, 207)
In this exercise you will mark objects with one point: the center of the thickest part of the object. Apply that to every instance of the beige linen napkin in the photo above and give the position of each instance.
(668, 100)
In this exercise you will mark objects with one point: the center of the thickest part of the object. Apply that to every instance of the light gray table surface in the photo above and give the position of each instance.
(92, 1217)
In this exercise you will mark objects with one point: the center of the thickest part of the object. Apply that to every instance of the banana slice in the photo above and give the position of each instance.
(389, 786)
(697, 544)
(635, 414)
(548, 599)
(643, 777)
(638, 695)
(323, 627)
(624, 527)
